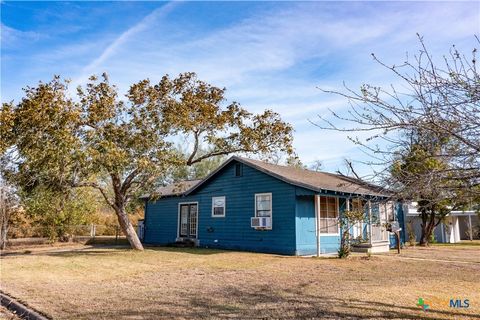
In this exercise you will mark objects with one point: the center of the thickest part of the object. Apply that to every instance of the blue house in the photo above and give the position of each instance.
(256, 206)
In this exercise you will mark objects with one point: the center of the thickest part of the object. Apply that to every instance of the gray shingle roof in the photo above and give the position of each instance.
(316, 180)
(313, 180)
(174, 189)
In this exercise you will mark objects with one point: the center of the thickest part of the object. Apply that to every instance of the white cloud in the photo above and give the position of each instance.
(277, 57)
(121, 40)
(11, 37)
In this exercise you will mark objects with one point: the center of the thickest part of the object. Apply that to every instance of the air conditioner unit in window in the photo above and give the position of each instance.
(261, 222)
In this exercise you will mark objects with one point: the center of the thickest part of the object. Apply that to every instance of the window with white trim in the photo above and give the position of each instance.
(263, 205)
(328, 215)
(218, 206)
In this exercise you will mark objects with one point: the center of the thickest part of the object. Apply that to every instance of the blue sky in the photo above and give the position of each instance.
(267, 54)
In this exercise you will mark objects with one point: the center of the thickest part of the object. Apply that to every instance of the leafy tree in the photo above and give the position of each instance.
(294, 161)
(421, 173)
(193, 109)
(6, 125)
(58, 214)
(198, 170)
(60, 143)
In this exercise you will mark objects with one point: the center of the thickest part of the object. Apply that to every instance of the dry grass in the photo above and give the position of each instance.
(466, 251)
(166, 283)
(6, 314)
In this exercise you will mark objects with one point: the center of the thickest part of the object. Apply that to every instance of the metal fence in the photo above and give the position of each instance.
(71, 231)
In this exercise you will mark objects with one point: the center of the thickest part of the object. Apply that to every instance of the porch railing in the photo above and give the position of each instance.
(379, 233)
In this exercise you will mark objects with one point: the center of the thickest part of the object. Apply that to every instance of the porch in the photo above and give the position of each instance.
(370, 235)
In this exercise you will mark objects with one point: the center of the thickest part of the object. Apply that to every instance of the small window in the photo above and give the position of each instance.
(238, 170)
(263, 205)
(218, 207)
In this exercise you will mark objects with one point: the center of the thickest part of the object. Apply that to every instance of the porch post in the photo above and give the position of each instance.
(347, 208)
(470, 226)
(317, 222)
(370, 221)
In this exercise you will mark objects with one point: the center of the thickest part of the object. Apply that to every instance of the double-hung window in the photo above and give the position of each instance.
(218, 207)
(263, 205)
(328, 215)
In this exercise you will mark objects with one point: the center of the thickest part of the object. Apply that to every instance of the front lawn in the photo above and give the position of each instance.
(117, 283)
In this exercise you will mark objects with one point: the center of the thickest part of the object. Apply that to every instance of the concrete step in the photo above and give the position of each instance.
(375, 247)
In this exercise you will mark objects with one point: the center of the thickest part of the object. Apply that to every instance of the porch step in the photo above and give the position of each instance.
(183, 244)
(375, 247)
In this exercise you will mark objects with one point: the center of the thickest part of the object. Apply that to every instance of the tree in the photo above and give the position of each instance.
(424, 141)
(441, 99)
(8, 205)
(9, 208)
(346, 220)
(58, 214)
(421, 173)
(316, 165)
(294, 161)
(198, 170)
(59, 143)
(192, 108)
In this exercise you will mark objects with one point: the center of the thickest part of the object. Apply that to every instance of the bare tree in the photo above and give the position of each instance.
(424, 140)
(439, 99)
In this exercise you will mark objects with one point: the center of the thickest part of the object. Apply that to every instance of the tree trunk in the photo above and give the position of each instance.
(428, 224)
(3, 233)
(4, 219)
(128, 229)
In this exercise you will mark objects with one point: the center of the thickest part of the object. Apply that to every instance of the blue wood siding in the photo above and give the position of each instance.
(305, 225)
(293, 215)
(232, 231)
(161, 219)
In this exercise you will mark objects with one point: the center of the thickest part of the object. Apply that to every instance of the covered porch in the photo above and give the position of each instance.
(375, 237)
(368, 235)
